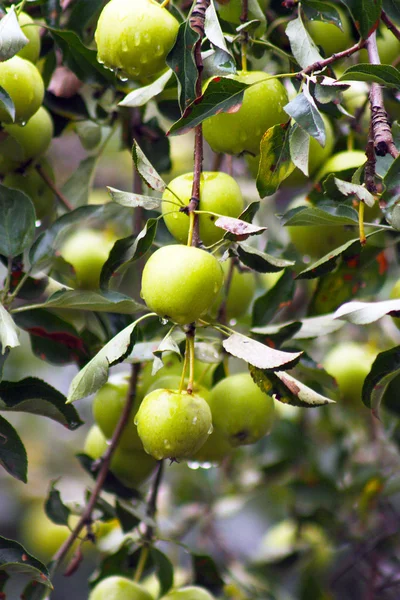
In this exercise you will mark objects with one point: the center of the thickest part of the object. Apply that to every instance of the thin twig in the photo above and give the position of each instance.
(86, 517)
(321, 64)
(382, 133)
(390, 25)
(50, 183)
(244, 17)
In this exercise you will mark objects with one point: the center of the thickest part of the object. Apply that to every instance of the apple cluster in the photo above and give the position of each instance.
(28, 135)
(122, 588)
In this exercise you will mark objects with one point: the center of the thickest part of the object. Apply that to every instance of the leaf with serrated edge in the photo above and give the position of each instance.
(12, 38)
(361, 313)
(134, 200)
(142, 95)
(304, 111)
(383, 74)
(107, 301)
(258, 354)
(261, 261)
(55, 508)
(146, 170)
(8, 331)
(304, 49)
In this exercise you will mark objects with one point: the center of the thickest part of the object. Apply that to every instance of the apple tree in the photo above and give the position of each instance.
(199, 217)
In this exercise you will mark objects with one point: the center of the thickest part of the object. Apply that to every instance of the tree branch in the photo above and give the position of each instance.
(50, 183)
(381, 131)
(390, 25)
(86, 517)
(321, 64)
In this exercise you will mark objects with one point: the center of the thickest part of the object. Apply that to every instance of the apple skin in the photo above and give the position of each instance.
(219, 193)
(349, 363)
(31, 141)
(87, 250)
(215, 449)
(173, 425)
(317, 240)
(191, 592)
(233, 133)
(240, 295)
(107, 408)
(131, 467)
(24, 84)
(231, 11)
(329, 37)
(119, 588)
(135, 37)
(30, 30)
(180, 283)
(240, 410)
(32, 184)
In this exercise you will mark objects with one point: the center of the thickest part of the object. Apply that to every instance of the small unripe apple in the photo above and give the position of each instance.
(28, 142)
(219, 193)
(172, 382)
(33, 185)
(135, 37)
(349, 363)
(87, 250)
(173, 424)
(131, 467)
(30, 30)
(240, 294)
(180, 283)
(108, 405)
(24, 84)
(240, 410)
(329, 37)
(262, 108)
(190, 592)
(119, 588)
(215, 449)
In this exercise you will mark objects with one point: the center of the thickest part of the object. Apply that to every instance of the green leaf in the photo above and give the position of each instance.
(128, 250)
(392, 8)
(13, 456)
(84, 14)
(299, 143)
(164, 570)
(182, 62)
(15, 559)
(326, 213)
(78, 186)
(146, 170)
(36, 397)
(134, 200)
(385, 368)
(142, 95)
(17, 222)
(328, 262)
(214, 34)
(304, 49)
(206, 573)
(361, 313)
(366, 15)
(382, 74)
(12, 38)
(258, 354)
(127, 517)
(8, 331)
(286, 389)
(107, 301)
(321, 11)
(221, 95)
(304, 111)
(261, 261)
(267, 305)
(7, 103)
(55, 508)
(95, 374)
(275, 162)
(311, 327)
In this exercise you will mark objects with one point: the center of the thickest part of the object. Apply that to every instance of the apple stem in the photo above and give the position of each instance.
(369, 169)
(361, 209)
(144, 553)
(244, 17)
(50, 183)
(164, 4)
(381, 130)
(185, 365)
(190, 339)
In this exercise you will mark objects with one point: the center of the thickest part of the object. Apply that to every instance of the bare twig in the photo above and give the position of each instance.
(369, 171)
(390, 25)
(382, 133)
(321, 64)
(86, 517)
(50, 183)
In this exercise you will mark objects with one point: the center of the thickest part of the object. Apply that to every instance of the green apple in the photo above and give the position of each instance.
(231, 10)
(131, 467)
(87, 250)
(24, 84)
(180, 283)
(173, 425)
(191, 592)
(329, 37)
(219, 193)
(33, 185)
(107, 408)
(30, 30)
(28, 142)
(172, 382)
(135, 37)
(240, 410)
(349, 363)
(214, 450)
(240, 294)
(317, 240)
(262, 108)
(119, 588)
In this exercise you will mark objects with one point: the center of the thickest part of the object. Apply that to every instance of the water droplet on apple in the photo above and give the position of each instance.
(210, 430)
(164, 321)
